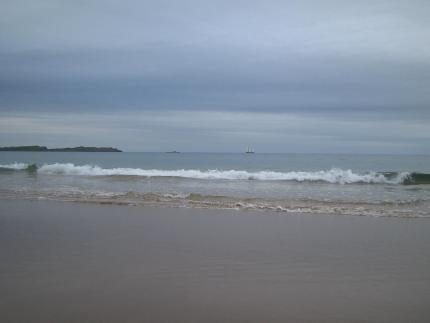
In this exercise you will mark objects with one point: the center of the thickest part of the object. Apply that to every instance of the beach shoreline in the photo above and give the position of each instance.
(80, 262)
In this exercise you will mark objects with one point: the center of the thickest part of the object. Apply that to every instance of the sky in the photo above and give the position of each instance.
(217, 76)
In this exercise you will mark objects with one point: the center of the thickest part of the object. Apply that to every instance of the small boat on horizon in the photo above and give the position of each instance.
(250, 150)
(172, 152)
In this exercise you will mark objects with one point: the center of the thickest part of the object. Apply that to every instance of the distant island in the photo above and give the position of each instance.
(74, 149)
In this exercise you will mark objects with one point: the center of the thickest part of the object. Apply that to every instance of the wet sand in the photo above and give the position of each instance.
(69, 262)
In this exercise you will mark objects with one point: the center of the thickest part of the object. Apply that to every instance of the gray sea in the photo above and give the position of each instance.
(367, 185)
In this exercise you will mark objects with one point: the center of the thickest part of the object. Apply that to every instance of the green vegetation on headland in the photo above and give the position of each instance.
(74, 149)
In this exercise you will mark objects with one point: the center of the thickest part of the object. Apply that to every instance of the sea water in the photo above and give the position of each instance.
(373, 185)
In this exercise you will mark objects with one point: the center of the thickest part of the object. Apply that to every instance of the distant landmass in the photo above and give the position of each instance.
(74, 149)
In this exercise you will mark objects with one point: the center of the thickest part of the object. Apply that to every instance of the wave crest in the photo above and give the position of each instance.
(15, 166)
(335, 176)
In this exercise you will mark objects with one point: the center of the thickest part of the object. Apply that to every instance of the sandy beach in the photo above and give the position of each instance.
(70, 262)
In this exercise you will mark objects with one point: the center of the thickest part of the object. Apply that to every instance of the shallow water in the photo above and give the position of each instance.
(377, 185)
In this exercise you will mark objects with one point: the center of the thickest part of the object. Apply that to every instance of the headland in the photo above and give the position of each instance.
(73, 149)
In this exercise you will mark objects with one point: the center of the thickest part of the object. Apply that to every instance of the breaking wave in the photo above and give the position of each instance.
(14, 166)
(334, 176)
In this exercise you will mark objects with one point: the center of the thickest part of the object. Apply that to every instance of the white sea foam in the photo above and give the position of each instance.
(16, 166)
(410, 210)
(330, 176)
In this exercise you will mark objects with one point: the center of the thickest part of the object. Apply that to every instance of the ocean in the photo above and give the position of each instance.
(356, 185)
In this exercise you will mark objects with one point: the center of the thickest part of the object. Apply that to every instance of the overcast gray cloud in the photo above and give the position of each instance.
(218, 131)
(341, 75)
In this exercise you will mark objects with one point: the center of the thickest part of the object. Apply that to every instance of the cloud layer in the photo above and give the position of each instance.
(342, 76)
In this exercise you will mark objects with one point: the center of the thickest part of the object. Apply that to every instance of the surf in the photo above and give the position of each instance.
(332, 176)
